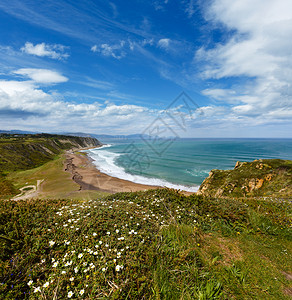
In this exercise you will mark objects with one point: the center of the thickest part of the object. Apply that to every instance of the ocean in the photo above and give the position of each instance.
(183, 163)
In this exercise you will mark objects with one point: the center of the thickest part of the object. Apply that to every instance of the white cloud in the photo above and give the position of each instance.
(53, 51)
(163, 43)
(220, 94)
(42, 75)
(190, 9)
(116, 50)
(25, 103)
(33, 108)
(259, 52)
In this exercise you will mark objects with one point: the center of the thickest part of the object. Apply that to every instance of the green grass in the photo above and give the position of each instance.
(26, 152)
(160, 245)
(57, 183)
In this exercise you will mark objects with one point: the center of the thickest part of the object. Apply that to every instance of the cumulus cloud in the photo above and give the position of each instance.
(34, 108)
(42, 75)
(115, 50)
(28, 105)
(53, 51)
(163, 43)
(259, 52)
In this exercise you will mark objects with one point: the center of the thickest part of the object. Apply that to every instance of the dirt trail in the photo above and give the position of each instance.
(28, 194)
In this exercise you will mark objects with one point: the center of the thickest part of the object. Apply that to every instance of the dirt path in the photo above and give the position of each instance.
(32, 191)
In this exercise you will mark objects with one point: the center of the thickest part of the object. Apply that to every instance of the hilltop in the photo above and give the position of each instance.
(263, 177)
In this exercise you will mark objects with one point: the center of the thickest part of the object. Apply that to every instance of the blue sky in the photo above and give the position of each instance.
(113, 67)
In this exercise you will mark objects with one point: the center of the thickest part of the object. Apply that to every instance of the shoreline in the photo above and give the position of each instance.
(88, 177)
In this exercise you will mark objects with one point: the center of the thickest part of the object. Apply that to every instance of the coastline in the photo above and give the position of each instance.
(86, 174)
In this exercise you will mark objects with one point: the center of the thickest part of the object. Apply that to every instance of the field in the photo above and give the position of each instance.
(157, 244)
(57, 184)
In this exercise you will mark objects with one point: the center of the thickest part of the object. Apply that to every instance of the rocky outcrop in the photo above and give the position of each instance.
(272, 177)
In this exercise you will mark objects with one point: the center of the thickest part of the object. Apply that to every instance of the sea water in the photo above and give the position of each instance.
(182, 163)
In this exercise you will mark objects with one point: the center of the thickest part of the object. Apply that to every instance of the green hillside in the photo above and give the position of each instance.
(24, 152)
(157, 244)
(265, 178)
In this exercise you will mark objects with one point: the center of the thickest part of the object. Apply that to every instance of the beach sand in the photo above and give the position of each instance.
(86, 174)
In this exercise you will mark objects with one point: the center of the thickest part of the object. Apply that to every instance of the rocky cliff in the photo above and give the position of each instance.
(269, 177)
(23, 152)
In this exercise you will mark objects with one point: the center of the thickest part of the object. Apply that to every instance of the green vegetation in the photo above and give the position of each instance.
(29, 151)
(268, 177)
(57, 184)
(26, 152)
(157, 244)
(231, 242)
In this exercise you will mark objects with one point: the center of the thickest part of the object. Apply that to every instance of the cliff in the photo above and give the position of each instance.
(268, 177)
(21, 152)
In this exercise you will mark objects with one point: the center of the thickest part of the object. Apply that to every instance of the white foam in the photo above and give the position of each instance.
(105, 162)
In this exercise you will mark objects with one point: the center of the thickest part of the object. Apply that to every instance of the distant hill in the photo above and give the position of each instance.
(108, 136)
(83, 134)
(18, 132)
(26, 151)
(264, 177)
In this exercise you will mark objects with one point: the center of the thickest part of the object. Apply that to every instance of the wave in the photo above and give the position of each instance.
(105, 162)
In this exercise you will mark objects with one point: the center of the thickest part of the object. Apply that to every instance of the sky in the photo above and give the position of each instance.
(205, 68)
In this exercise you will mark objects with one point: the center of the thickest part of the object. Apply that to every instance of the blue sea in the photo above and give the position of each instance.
(181, 163)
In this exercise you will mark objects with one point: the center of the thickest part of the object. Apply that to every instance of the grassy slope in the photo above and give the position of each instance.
(26, 153)
(171, 247)
(276, 176)
(57, 183)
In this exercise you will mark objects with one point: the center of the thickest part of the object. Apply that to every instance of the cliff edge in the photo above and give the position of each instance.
(22, 152)
(263, 177)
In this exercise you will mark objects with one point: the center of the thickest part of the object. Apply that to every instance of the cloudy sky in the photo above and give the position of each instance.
(114, 67)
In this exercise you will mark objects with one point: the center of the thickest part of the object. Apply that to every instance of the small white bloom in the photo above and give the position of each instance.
(38, 289)
(46, 284)
(118, 268)
(94, 234)
(80, 255)
(76, 270)
(30, 283)
(70, 294)
(71, 279)
(51, 243)
(81, 292)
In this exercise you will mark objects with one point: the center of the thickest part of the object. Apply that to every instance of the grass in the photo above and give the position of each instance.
(26, 152)
(157, 244)
(57, 183)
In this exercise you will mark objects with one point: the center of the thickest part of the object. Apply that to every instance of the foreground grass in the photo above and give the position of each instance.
(157, 244)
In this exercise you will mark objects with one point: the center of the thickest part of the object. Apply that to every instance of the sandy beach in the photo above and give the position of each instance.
(85, 173)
